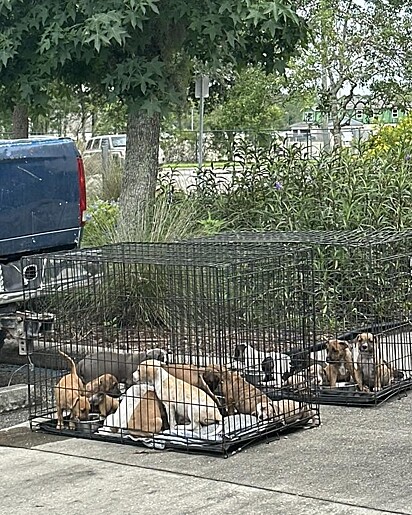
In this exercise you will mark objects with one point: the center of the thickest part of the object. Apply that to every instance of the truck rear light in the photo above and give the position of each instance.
(82, 190)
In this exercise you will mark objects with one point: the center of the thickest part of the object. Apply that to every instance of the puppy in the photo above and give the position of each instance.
(293, 411)
(247, 356)
(312, 376)
(191, 374)
(240, 395)
(105, 404)
(70, 395)
(373, 372)
(147, 416)
(117, 364)
(339, 360)
(105, 383)
(180, 399)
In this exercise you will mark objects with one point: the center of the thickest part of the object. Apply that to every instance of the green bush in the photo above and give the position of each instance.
(280, 190)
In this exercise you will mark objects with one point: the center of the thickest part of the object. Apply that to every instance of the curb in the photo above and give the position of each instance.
(14, 397)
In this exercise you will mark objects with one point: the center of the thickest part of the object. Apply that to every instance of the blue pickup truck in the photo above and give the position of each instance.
(42, 209)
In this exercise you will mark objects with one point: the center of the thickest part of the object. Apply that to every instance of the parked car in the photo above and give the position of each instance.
(116, 145)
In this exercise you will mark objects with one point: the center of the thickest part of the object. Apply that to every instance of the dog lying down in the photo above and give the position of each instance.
(118, 364)
(145, 422)
(180, 399)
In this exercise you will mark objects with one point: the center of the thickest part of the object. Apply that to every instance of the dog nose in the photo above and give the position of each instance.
(364, 346)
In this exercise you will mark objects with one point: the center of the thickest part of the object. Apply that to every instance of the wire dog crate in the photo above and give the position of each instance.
(363, 301)
(152, 329)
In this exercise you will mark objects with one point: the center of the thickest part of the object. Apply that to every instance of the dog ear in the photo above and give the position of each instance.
(75, 402)
(344, 344)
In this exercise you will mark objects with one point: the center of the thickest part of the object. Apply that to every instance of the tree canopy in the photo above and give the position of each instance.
(140, 51)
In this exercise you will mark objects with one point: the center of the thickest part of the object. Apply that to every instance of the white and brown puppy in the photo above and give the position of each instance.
(179, 398)
(240, 395)
(191, 374)
(70, 395)
(374, 373)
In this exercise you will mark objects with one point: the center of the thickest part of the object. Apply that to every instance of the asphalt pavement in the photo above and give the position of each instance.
(358, 462)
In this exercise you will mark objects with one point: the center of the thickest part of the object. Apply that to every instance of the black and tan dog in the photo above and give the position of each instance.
(374, 372)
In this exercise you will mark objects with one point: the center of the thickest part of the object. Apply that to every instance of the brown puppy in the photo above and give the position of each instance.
(147, 416)
(374, 373)
(239, 394)
(339, 362)
(191, 374)
(105, 383)
(70, 395)
(104, 403)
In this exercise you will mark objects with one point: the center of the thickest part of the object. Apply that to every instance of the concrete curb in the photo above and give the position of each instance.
(14, 397)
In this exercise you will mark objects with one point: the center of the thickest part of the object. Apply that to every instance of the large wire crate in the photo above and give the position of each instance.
(363, 300)
(165, 321)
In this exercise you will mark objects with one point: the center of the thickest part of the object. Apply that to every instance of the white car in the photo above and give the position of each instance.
(116, 144)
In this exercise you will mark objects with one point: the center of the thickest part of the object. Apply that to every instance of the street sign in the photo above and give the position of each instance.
(202, 86)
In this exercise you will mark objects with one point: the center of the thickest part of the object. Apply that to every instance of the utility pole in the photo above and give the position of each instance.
(201, 92)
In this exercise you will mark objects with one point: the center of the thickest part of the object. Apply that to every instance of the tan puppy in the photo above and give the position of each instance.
(374, 373)
(292, 411)
(147, 416)
(339, 362)
(70, 395)
(105, 383)
(191, 374)
(180, 399)
(104, 403)
(240, 395)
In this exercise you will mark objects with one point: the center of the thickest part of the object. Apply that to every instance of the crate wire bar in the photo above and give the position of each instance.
(362, 284)
(166, 320)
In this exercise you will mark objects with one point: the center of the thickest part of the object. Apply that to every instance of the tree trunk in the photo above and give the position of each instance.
(337, 125)
(140, 174)
(20, 122)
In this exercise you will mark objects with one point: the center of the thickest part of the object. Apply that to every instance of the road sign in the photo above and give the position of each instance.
(202, 86)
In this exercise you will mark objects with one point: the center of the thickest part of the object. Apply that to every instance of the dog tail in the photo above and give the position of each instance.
(70, 361)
